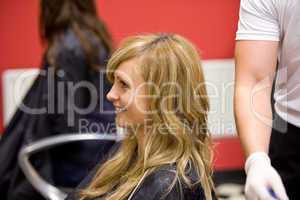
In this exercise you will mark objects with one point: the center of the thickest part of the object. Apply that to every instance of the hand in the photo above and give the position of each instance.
(262, 178)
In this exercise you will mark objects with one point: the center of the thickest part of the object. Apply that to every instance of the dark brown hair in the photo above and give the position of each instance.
(79, 15)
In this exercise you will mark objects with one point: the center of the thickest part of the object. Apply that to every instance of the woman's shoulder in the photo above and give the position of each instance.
(163, 183)
(70, 50)
(71, 41)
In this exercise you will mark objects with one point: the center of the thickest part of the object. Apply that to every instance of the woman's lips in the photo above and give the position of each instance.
(119, 110)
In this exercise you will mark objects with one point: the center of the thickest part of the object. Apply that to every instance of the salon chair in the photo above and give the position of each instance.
(47, 190)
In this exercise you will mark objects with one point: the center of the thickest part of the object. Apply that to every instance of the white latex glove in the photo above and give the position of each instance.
(261, 177)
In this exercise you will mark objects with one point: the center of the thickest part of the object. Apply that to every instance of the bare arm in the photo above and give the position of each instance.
(255, 68)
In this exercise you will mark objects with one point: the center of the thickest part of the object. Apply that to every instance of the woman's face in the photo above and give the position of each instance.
(128, 95)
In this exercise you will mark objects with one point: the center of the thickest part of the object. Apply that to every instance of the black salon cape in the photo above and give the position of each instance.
(154, 186)
(67, 165)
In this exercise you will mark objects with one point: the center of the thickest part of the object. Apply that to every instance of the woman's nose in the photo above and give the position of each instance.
(112, 95)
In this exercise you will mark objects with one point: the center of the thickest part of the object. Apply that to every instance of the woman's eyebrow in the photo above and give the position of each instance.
(117, 76)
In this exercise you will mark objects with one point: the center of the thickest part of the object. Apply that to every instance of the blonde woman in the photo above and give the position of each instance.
(160, 99)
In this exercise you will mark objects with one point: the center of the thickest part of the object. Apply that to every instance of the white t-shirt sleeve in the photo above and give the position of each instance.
(258, 20)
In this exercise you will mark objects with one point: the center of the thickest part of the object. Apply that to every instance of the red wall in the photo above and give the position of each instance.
(209, 24)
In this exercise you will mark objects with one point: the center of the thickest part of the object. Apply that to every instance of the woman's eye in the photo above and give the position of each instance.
(123, 84)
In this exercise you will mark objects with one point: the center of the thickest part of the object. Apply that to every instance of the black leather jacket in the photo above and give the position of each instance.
(155, 185)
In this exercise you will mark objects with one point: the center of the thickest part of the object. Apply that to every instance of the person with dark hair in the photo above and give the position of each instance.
(68, 96)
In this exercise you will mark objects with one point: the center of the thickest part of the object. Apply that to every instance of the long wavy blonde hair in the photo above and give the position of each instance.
(171, 63)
